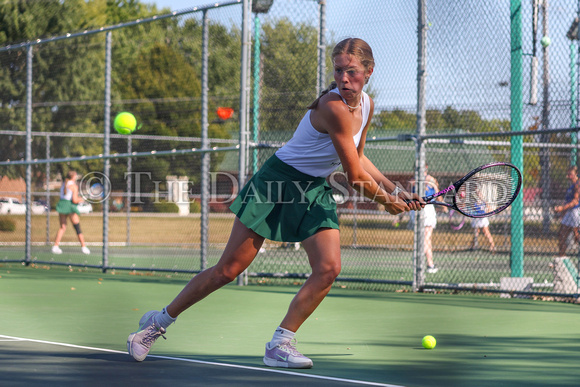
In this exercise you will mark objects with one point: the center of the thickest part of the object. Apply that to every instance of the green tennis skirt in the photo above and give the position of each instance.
(283, 204)
(67, 207)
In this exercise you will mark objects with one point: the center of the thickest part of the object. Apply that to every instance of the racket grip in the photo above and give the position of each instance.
(426, 199)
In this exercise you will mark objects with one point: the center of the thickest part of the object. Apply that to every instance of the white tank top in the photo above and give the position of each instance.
(65, 192)
(312, 152)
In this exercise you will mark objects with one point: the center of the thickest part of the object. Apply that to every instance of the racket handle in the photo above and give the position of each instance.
(428, 198)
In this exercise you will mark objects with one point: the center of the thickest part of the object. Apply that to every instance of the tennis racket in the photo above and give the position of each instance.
(483, 192)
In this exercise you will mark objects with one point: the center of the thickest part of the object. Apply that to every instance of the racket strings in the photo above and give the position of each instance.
(488, 191)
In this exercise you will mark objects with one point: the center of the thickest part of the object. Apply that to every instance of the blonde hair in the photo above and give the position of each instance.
(351, 46)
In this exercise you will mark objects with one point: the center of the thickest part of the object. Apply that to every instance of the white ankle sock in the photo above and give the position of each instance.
(164, 319)
(281, 335)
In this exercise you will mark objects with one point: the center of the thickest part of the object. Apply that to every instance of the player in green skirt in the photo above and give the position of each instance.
(67, 208)
(289, 200)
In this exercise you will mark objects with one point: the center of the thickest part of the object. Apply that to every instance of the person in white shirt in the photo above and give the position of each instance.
(67, 208)
(289, 200)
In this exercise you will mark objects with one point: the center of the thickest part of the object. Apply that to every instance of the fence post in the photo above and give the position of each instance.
(205, 157)
(572, 35)
(419, 230)
(517, 155)
(129, 184)
(246, 13)
(47, 180)
(321, 85)
(545, 158)
(27, 248)
(106, 150)
(256, 94)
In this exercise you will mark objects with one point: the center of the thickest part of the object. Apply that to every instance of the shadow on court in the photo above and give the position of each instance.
(24, 363)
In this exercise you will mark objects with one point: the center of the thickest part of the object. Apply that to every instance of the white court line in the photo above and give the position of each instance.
(276, 371)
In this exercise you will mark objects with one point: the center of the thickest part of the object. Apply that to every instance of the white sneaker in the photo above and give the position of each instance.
(139, 343)
(85, 250)
(432, 270)
(296, 246)
(56, 250)
(286, 355)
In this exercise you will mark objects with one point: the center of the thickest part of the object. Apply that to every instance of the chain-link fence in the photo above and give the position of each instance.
(181, 77)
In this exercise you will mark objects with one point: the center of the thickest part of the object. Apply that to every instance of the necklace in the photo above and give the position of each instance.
(351, 108)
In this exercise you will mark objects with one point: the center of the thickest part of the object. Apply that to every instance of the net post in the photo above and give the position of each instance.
(517, 155)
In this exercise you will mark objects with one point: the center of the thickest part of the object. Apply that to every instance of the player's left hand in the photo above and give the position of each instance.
(414, 201)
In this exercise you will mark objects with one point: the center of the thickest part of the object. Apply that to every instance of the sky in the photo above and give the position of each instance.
(468, 48)
(365, 24)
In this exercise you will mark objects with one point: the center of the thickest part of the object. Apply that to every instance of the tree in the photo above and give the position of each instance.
(289, 74)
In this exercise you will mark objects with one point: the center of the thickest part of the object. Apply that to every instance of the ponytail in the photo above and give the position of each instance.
(314, 104)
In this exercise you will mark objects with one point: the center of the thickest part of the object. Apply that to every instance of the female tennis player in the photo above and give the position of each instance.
(67, 208)
(289, 200)
(570, 210)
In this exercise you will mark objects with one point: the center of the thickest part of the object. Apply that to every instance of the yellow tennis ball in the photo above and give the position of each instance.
(545, 41)
(125, 123)
(429, 342)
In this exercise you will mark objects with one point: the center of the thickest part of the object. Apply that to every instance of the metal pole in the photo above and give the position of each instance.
(573, 103)
(545, 162)
(574, 121)
(517, 154)
(246, 13)
(205, 157)
(107, 149)
(354, 222)
(577, 122)
(321, 84)
(129, 185)
(27, 252)
(419, 231)
(256, 102)
(47, 181)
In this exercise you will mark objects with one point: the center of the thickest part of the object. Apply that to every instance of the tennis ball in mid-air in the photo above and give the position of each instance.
(429, 342)
(545, 42)
(125, 123)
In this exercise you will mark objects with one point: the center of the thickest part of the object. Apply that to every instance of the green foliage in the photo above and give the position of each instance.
(287, 92)
(7, 224)
(194, 207)
(168, 207)
(448, 120)
(157, 64)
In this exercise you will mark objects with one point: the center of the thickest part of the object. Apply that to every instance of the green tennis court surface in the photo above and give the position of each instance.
(354, 337)
(459, 266)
